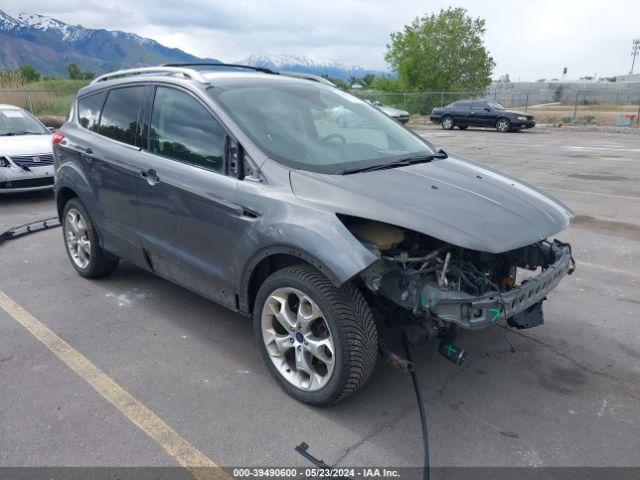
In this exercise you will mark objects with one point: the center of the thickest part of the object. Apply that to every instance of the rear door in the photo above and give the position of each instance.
(188, 218)
(105, 144)
(461, 113)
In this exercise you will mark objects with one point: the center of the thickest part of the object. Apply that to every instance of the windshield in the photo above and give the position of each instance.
(14, 121)
(317, 128)
(495, 106)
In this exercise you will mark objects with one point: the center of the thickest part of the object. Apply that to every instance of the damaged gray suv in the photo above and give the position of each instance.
(236, 184)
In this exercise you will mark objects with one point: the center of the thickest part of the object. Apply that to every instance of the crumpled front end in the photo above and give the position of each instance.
(443, 284)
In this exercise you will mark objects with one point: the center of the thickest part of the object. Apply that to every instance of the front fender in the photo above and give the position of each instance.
(324, 243)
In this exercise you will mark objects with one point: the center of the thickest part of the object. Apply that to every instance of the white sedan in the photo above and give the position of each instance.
(26, 153)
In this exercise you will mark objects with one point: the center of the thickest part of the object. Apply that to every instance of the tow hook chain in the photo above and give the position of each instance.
(22, 230)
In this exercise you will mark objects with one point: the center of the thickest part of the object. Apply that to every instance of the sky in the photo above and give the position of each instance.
(528, 40)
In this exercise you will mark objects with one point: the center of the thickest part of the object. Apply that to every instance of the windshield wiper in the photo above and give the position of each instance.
(402, 162)
(16, 132)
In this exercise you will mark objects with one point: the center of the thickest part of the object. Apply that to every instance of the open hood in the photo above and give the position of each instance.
(455, 200)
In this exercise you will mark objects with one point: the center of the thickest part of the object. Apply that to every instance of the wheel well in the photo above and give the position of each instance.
(64, 195)
(266, 267)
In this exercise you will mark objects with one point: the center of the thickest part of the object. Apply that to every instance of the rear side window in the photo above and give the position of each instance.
(462, 105)
(89, 110)
(182, 129)
(119, 119)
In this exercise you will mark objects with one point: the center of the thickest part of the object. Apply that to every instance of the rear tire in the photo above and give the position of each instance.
(83, 244)
(447, 122)
(289, 305)
(503, 125)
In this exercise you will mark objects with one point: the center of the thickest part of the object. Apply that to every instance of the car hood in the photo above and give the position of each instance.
(25, 145)
(393, 111)
(456, 200)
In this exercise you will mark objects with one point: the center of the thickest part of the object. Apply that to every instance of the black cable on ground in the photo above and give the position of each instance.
(421, 410)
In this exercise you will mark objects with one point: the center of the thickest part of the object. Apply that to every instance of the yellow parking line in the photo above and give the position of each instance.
(185, 454)
(604, 268)
(626, 197)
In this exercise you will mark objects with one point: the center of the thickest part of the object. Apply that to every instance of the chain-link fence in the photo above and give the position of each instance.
(566, 102)
(577, 103)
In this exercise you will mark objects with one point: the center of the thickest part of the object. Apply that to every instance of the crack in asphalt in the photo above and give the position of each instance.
(620, 381)
(440, 391)
(401, 414)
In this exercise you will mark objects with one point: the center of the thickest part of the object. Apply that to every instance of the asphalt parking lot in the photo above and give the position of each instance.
(568, 396)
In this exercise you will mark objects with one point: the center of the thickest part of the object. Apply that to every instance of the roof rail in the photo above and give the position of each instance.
(165, 69)
(309, 76)
(220, 64)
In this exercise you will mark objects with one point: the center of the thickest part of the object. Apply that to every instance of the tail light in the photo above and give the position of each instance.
(58, 136)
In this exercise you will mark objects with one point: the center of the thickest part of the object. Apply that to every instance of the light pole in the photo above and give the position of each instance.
(635, 50)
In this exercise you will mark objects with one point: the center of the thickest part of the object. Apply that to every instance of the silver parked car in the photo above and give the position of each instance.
(401, 115)
(26, 158)
(238, 186)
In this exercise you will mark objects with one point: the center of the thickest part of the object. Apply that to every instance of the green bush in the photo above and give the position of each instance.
(586, 120)
(566, 119)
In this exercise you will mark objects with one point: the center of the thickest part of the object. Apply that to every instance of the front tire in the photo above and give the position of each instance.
(319, 342)
(82, 243)
(503, 125)
(447, 123)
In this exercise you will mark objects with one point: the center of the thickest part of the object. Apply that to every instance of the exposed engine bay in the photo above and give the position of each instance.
(442, 284)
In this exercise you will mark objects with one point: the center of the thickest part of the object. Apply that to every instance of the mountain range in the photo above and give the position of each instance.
(49, 45)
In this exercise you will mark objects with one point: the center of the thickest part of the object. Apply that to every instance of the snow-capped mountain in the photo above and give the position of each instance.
(306, 64)
(49, 45)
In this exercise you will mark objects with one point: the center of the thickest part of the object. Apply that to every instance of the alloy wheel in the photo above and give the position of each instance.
(503, 125)
(77, 238)
(298, 339)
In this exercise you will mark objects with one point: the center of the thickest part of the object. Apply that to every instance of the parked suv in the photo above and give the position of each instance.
(481, 113)
(238, 186)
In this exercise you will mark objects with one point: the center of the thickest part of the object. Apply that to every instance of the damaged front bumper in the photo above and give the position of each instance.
(476, 312)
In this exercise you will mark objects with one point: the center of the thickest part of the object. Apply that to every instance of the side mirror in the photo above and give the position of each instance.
(487, 109)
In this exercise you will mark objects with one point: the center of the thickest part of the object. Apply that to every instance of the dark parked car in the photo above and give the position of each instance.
(481, 113)
(236, 186)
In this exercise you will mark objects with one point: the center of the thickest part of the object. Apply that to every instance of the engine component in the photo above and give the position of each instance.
(383, 236)
(452, 352)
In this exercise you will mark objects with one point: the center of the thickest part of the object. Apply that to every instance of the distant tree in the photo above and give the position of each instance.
(28, 74)
(541, 80)
(367, 80)
(88, 75)
(441, 52)
(386, 83)
(74, 72)
(557, 95)
(336, 81)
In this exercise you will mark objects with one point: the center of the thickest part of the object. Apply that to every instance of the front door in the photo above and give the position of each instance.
(481, 114)
(188, 219)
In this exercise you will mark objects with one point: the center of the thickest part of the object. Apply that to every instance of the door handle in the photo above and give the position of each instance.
(150, 176)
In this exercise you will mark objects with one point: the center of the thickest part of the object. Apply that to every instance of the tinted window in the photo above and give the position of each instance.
(462, 105)
(182, 129)
(89, 110)
(120, 114)
(478, 106)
